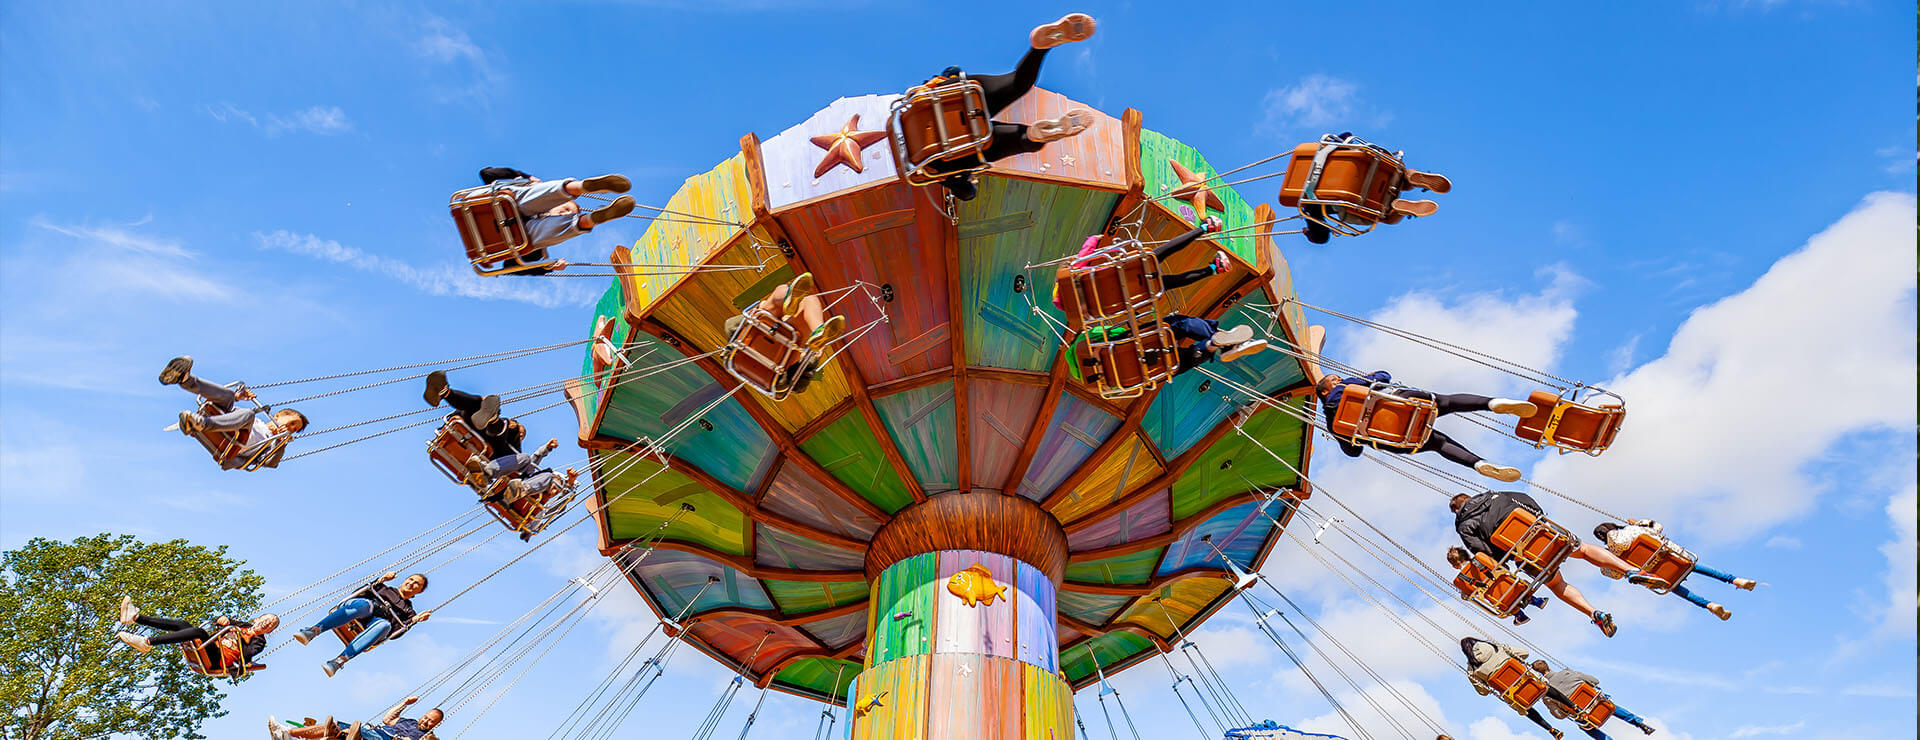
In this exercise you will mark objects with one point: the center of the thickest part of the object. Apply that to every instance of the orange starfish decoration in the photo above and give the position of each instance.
(844, 146)
(1193, 186)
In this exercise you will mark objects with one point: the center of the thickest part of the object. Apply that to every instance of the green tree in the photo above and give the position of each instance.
(64, 677)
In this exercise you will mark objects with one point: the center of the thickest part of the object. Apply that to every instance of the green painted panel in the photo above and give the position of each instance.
(612, 304)
(1113, 647)
(907, 587)
(1134, 568)
(921, 421)
(1251, 467)
(1156, 148)
(800, 597)
(848, 450)
(1012, 224)
(823, 677)
(636, 510)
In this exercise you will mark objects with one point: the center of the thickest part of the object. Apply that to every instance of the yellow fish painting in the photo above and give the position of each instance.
(976, 586)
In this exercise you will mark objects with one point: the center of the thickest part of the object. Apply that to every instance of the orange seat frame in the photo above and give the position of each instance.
(1380, 418)
(491, 230)
(1494, 589)
(1535, 545)
(1570, 426)
(1591, 708)
(206, 657)
(1114, 286)
(1516, 683)
(449, 450)
(1354, 182)
(1658, 557)
(767, 353)
(226, 445)
(1129, 362)
(946, 123)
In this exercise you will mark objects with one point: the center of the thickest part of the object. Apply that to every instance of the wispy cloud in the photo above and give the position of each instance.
(443, 43)
(1318, 103)
(135, 261)
(321, 120)
(1758, 730)
(446, 279)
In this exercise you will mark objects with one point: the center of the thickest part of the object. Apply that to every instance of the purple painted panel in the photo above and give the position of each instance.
(981, 628)
(798, 495)
(1002, 416)
(672, 578)
(838, 632)
(782, 549)
(1144, 519)
(1035, 633)
(1076, 430)
(1090, 608)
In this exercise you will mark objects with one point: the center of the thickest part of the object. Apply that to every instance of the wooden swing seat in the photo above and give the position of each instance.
(449, 450)
(1517, 684)
(1570, 426)
(347, 632)
(491, 230)
(1535, 546)
(768, 353)
(1378, 417)
(1590, 709)
(227, 445)
(206, 658)
(944, 124)
(530, 514)
(1494, 589)
(1128, 362)
(1658, 557)
(1355, 185)
(1113, 285)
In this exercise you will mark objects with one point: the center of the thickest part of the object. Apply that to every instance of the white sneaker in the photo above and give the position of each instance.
(1232, 336)
(278, 730)
(1070, 123)
(1500, 473)
(1070, 28)
(128, 612)
(1720, 611)
(1250, 347)
(1511, 407)
(136, 642)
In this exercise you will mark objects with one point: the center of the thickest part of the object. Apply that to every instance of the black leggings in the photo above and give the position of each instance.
(1451, 403)
(1534, 714)
(1002, 90)
(172, 630)
(501, 438)
(1173, 247)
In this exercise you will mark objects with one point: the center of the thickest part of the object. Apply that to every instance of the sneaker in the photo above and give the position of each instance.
(1500, 473)
(1520, 618)
(620, 184)
(1639, 578)
(1511, 407)
(476, 464)
(128, 612)
(189, 422)
(1070, 123)
(1433, 181)
(277, 730)
(176, 370)
(1745, 584)
(436, 387)
(619, 208)
(961, 188)
(1537, 601)
(333, 666)
(1232, 336)
(353, 732)
(306, 635)
(516, 490)
(1070, 28)
(1404, 207)
(136, 642)
(1211, 224)
(570, 478)
(1720, 611)
(489, 412)
(1604, 621)
(826, 333)
(1243, 349)
(798, 290)
(1221, 263)
(1645, 729)
(1557, 735)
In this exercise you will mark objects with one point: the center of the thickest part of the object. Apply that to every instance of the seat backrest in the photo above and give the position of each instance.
(1394, 421)
(1509, 673)
(489, 224)
(1363, 178)
(1584, 694)
(1511, 529)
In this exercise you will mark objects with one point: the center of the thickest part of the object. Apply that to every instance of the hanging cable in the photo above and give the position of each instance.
(656, 663)
(1105, 689)
(824, 730)
(719, 710)
(1260, 618)
(1236, 715)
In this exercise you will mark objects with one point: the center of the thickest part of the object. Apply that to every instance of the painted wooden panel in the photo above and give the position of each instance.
(889, 235)
(1239, 531)
(735, 450)
(901, 714)
(718, 194)
(850, 452)
(1090, 608)
(838, 632)
(1036, 639)
(1156, 149)
(922, 424)
(1280, 288)
(1182, 599)
(1049, 704)
(782, 549)
(801, 597)
(1129, 466)
(1144, 519)
(612, 306)
(1001, 416)
(903, 609)
(1132, 568)
(1012, 224)
(973, 696)
(1196, 299)
(642, 496)
(672, 578)
(790, 156)
(1077, 661)
(698, 308)
(1194, 403)
(739, 635)
(981, 628)
(1076, 430)
(1096, 156)
(797, 494)
(821, 677)
(1251, 467)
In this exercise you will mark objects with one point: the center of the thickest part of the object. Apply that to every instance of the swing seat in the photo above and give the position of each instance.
(1570, 426)
(206, 658)
(768, 353)
(491, 230)
(1590, 709)
(347, 632)
(945, 124)
(1354, 184)
(1516, 684)
(1658, 557)
(1126, 362)
(530, 514)
(1377, 417)
(229, 445)
(1494, 589)
(1113, 285)
(1535, 546)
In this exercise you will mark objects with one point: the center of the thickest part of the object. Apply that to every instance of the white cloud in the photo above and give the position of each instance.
(1527, 329)
(1783, 542)
(124, 260)
(1720, 432)
(1757, 730)
(1898, 619)
(1316, 104)
(442, 42)
(445, 279)
(1494, 728)
(319, 120)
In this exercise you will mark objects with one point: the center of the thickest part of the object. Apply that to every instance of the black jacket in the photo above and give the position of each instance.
(389, 605)
(1477, 519)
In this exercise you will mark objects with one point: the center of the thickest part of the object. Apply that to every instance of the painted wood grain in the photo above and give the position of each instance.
(1076, 430)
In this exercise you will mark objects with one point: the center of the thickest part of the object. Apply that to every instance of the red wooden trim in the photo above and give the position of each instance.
(910, 382)
(1004, 375)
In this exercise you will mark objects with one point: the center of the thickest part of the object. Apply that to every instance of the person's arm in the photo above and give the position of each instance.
(1380, 376)
(1470, 537)
(393, 714)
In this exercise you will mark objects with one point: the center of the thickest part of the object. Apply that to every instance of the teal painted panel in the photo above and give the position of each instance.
(922, 424)
(1155, 149)
(908, 589)
(1012, 224)
(1077, 661)
(730, 446)
(1193, 403)
(1251, 467)
(612, 305)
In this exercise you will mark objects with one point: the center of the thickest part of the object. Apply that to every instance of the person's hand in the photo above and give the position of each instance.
(244, 394)
(559, 265)
(222, 621)
(552, 444)
(411, 700)
(389, 575)
(422, 616)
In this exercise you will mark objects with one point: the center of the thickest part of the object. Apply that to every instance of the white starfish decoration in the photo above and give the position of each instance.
(1067, 159)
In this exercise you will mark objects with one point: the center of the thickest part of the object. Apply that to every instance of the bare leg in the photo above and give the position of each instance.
(813, 313)
(311, 732)
(1567, 593)
(776, 302)
(1602, 558)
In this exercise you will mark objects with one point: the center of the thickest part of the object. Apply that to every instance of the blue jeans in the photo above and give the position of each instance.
(535, 198)
(1698, 600)
(368, 731)
(1199, 331)
(352, 609)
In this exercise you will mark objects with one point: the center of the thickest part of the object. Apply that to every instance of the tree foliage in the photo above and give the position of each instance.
(64, 677)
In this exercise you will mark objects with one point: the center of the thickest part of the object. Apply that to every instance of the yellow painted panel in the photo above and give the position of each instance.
(718, 195)
(1183, 600)
(1128, 466)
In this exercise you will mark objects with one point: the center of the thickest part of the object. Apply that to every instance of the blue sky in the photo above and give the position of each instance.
(1638, 192)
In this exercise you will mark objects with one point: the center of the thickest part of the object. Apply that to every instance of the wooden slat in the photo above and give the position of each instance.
(984, 520)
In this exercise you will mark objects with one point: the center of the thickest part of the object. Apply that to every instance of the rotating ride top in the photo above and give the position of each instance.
(947, 528)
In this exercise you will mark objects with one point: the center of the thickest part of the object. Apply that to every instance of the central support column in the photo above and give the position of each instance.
(962, 641)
